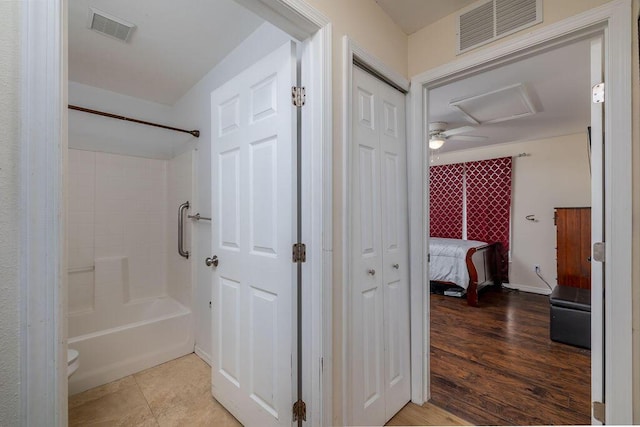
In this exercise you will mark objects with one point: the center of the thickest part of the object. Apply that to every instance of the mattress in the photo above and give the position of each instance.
(448, 260)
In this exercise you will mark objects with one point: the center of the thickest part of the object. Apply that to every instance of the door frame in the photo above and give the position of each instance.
(352, 51)
(305, 23)
(43, 278)
(43, 174)
(614, 19)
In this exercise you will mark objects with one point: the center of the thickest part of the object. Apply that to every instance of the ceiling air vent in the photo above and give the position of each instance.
(110, 25)
(486, 21)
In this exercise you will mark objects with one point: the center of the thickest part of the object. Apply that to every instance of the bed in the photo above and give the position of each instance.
(469, 264)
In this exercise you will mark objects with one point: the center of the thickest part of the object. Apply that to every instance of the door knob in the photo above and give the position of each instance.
(372, 272)
(396, 266)
(213, 261)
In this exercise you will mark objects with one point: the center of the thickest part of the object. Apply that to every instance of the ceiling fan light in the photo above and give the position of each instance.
(435, 143)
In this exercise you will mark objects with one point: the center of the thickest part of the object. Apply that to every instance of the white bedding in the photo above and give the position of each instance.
(448, 260)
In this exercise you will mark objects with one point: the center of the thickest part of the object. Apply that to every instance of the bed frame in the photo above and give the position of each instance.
(482, 264)
(484, 267)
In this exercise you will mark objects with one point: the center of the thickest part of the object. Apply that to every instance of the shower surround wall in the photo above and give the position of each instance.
(129, 291)
(179, 185)
(117, 217)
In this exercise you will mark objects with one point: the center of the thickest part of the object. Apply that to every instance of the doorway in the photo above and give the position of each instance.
(614, 158)
(496, 183)
(48, 49)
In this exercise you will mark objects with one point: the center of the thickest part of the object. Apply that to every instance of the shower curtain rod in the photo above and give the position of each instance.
(195, 133)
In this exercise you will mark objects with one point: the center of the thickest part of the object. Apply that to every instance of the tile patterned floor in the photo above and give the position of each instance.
(176, 393)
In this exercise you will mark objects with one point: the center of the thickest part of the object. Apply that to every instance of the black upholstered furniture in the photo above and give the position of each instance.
(570, 316)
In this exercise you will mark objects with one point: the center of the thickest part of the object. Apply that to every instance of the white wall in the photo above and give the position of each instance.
(10, 331)
(117, 210)
(96, 133)
(194, 110)
(555, 174)
(179, 190)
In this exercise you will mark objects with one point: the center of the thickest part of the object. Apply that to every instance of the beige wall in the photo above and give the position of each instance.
(636, 211)
(9, 212)
(366, 23)
(369, 26)
(555, 174)
(435, 45)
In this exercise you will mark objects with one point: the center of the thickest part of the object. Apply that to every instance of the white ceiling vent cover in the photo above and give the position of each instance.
(476, 27)
(486, 21)
(110, 25)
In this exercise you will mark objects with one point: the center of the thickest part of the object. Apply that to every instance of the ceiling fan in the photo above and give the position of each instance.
(438, 134)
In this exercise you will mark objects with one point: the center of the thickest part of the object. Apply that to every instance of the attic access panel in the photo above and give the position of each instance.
(508, 103)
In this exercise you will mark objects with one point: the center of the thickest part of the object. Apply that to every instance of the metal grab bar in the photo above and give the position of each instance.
(181, 210)
(198, 217)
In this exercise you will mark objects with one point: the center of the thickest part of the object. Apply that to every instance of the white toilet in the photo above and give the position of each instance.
(73, 361)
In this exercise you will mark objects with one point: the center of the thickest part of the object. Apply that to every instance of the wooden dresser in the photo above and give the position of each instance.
(573, 246)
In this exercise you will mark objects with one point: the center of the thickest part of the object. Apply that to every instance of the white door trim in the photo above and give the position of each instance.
(615, 19)
(44, 141)
(352, 51)
(43, 255)
(596, 142)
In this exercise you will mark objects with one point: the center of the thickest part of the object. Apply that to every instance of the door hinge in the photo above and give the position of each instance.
(599, 411)
(298, 96)
(299, 252)
(597, 92)
(300, 411)
(599, 251)
(428, 258)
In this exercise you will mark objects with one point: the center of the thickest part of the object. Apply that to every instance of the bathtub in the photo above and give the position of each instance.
(138, 335)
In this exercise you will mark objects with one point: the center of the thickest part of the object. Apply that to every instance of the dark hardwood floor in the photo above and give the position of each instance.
(495, 364)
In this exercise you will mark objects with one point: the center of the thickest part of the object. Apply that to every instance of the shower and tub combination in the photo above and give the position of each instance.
(130, 290)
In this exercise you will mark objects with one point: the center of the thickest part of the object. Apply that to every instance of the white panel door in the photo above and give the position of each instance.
(395, 249)
(367, 326)
(380, 383)
(253, 201)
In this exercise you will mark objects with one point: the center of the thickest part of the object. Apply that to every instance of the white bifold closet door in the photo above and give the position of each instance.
(254, 217)
(379, 335)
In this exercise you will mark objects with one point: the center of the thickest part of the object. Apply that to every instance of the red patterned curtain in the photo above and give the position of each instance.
(445, 200)
(488, 185)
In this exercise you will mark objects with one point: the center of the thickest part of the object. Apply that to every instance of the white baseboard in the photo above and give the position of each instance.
(527, 288)
(203, 355)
